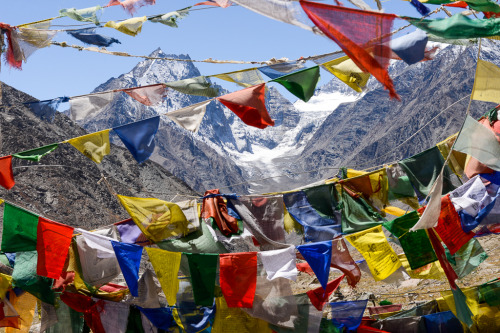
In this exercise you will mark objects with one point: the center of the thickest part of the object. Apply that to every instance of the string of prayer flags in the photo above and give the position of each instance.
(82, 15)
(156, 218)
(320, 296)
(280, 69)
(6, 174)
(245, 78)
(203, 273)
(139, 137)
(198, 86)
(52, 245)
(348, 72)
(336, 23)
(238, 278)
(348, 314)
(14, 54)
(249, 105)
(441, 255)
(214, 207)
(411, 48)
(302, 84)
(458, 26)
(131, 6)
(486, 82)
(89, 105)
(189, 117)
(90, 37)
(171, 18)
(149, 95)
(416, 245)
(479, 142)
(46, 110)
(36, 154)
(131, 27)
(342, 260)
(166, 265)
(379, 255)
(319, 257)
(19, 229)
(280, 263)
(129, 259)
(94, 145)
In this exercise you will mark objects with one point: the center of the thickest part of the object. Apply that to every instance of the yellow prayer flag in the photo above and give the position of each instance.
(95, 145)
(291, 224)
(432, 270)
(25, 307)
(392, 210)
(157, 219)
(347, 71)
(379, 255)
(379, 184)
(166, 265)
(486, 82)
(245, 78)
(234, 320)
(130, 27)
(5, 282)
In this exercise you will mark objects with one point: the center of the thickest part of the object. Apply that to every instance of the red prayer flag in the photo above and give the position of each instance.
(304, 267)
(249, 104)
(216, 3)
(319, 296)
(458, 4)
(438, 248)
(6, 174)
(131, 6)
(238, 278)
(91, 310)
(52, 244)
(149, 95)
(358, 33)
(368, 329)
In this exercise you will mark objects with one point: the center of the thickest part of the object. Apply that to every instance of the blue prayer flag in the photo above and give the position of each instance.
(46, 110)
(139, 137)
(281, 69)
(442, 322)
(319, 257)
(89, 36)
(162, 318)
(420, 7)
(348, 314)
(129, 259)
(410, 48)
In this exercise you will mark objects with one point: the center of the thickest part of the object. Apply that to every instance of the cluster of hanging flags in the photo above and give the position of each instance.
(223, 262)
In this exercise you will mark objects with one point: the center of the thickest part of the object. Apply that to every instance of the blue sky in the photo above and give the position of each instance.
(231, 33)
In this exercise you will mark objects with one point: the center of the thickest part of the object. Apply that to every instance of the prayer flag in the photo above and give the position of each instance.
(149, 95)
(203, 272)
(114, 316)
(430, 216)
(194, 86)
(156, 218)
(238, 278)
(52, 244)
(5, 284)
(411, 48)
(130, 27)
(131, 6)
(89, 36)
(280, 69)
(490, 292)
(90, 309)
(130, 233)
(139, 137)
(442, 322)
(357, 214)
(479, 142)
(189, 117)
(348, 314)
(214, 207)
(357, 40)
(82, 15)
(34, 36)
(94, 145)
(319, 257)
(320, 296)
(379, 255)
(445, 265)
(171, 18)
(245, 78)
(14, 54)
(19, 229)
(161, 318)
(249, 105)
(460, 304)
(432, 271)
(46, 110)
(280, 263)
(346, 71)
(6, 174)
(89, 105)
(486, 82)
(420, 7)
(200, 241)
(166, 265)
(416, 245)
(129, 259)
(468, 258)
(36, 154)
(24, 305)
(302, 84)
(231, 319)
(342, 260)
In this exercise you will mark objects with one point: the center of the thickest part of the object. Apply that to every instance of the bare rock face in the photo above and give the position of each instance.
(65, 185)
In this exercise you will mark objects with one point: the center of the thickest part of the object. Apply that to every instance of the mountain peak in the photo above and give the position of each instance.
(158, 53)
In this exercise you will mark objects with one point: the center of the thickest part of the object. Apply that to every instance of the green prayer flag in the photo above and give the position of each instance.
(194, 86)
(464, 314)
(424, 168)
(323, 199)
(467, 259)
(458, 26)
(490, 293)
(134, 324)
(416, 244)
(328, 327)
(36, 154)
(25, 277)
(203, 271)
(357, 214)
(302, 83)
(19, 229)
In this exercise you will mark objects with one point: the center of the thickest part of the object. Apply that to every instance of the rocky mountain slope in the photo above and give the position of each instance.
(64, 186)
